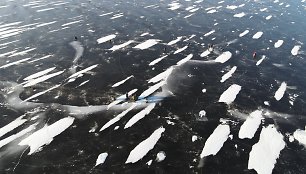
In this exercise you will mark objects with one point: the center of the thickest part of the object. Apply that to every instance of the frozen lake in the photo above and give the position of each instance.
(159, 86)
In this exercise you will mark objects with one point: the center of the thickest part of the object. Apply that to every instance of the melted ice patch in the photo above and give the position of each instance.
(278, 43)
(225, 56)
(117, 47)
(101, 158)
(147, 44)
(215, 141)
(239, 15)
(145, 146)
(264, 153)
(229, 95)
(280, 92)
(186, 59)
(180, 49)
(122, 81)
(228, 74)
(106, 38)
(45, 135)
(250, 126)
(244, 33)
(140, 115)
(257, 35)
(295, 50)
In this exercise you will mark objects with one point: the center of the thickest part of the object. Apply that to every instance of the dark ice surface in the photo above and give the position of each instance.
(63, 34)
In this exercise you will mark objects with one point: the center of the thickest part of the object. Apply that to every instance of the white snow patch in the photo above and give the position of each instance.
(202, 113)
(269, 17)
(174, 6)
(250, 126)
(162, 76)
(40, 73)
(212, 11)
(140, 115)
(147, 44)
(225, 56)
(149, 162)
(194, 138)
(205, 53)
(45, 135)
(15, 63)
(244, 33)
(151, 90)
(12, 125)
(278, 43)
(106, 38)
(145, 146)
(175, 40)
(260, 60)
(228, 74)
(300, 135)
(215, 141)
(160, 156)
(229, 95)
(281, 91)
(239, 15)
(41, 79)
(118, 117)
(257, 35)
(157, 60)
(122, 81)
(83, 71)
(181, 49)
(209, 33)
(101, 158)
(186, 59)
(295, 50)
(231, 7)
(15, 136)
(121, 98)
(117, 47)
(264, 153)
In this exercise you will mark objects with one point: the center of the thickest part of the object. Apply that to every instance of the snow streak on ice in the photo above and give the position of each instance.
(264, 153)
(250, 126)
(280, 92)
(216, 140)
(145, 146)
(230, 94)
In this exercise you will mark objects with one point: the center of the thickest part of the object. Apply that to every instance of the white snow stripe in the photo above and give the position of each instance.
(162, 76)
(264, 153)
(118, 117)
(215, 141)
(106, 38)
(45, 135)
(147, 44)
(122, 81)
(12, 125)
(281, 91)
(228, 74)
(186, 59)
(83, 71)
(145, 146)
(40, 73)
(140, 115)
(229, 95)
(180, 50)
(225, 56)
(157, 60)
(151, 90)
(41, 79)
(250, 126)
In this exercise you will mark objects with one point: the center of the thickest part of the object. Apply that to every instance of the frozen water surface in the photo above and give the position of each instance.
(157, 77)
